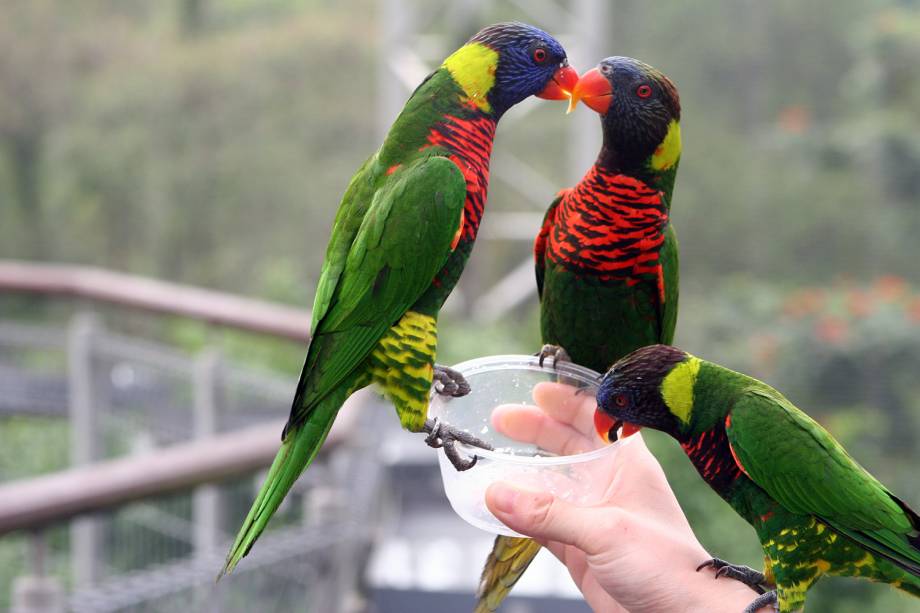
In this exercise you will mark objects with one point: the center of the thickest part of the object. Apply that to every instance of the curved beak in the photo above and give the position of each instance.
(560, 86)
(594, 89)
(607, 426)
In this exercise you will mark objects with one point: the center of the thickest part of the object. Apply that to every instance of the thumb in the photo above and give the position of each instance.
(543, 516)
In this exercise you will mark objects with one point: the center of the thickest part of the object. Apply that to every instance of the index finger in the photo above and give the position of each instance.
(566, 404)
(532, 425)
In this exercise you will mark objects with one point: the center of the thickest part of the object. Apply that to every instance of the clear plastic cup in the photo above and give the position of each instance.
(581, 479)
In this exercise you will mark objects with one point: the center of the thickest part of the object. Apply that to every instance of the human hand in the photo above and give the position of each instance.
(634, 551)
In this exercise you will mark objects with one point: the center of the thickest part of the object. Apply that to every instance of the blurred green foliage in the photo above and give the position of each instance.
(209, 142)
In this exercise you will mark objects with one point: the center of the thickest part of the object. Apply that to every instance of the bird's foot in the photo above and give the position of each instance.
(553, 351)
(449, 382)
(745, 574)
(443, 435)
(767, 599)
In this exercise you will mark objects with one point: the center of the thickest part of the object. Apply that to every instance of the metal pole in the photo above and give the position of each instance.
(206, 498)
(37, 593)
(588, 23)
(327, 502)
(396, 27)
(343, 565)
(206, 501)
(321, 507)
(82, 399)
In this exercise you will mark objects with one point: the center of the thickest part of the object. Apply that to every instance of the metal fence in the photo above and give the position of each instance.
(102, 395)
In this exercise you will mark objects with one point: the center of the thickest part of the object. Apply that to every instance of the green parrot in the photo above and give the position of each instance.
(402, 235)
(606, 254)
(814, 509)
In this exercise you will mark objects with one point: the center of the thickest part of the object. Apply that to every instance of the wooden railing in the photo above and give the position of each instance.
(156, 296)
(38, 501)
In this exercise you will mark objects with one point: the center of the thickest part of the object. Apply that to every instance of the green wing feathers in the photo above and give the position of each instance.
(355, 201)
(801, 466)
(509, 558)
(382, 257)
(402, 242)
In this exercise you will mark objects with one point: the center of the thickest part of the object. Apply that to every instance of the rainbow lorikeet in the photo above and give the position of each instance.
(606, 255)
(403, 232)
(815, 510)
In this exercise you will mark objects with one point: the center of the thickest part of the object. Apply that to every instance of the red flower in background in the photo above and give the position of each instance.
(913, 310)
(890, 288)
(860, 303)
(794, 119)
(832, 330)
(764, 348)
(804, 302)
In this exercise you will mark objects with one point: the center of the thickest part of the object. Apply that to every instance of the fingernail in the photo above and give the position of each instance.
(503, 497)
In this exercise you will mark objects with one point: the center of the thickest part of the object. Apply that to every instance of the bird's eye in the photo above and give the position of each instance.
(621, 400)
(644, 91)
(539, 55)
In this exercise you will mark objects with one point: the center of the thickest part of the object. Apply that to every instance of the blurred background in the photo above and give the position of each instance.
(169, 172)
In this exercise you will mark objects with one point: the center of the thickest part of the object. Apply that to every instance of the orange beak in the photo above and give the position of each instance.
(561, 85)
(594, 89)
(604, 424)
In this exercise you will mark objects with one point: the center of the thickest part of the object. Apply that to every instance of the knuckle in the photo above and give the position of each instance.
(542, 510)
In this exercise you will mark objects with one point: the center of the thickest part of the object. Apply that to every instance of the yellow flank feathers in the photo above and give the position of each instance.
(768, 570)
(866, 560)
(668, 152)
(473, 67)
(402, 364)
(677, 388)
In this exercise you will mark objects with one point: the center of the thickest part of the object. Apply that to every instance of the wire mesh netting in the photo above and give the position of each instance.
(144, 396)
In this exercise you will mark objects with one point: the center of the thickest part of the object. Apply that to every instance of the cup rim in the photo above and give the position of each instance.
(575, 458)
(516, 361)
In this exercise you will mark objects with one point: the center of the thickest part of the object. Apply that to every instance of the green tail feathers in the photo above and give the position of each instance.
(298, 449)
(508, 560)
